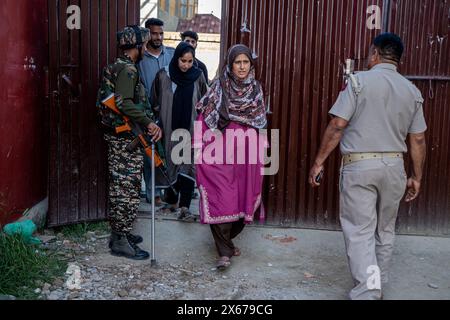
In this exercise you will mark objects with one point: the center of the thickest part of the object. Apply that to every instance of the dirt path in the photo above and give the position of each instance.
(275, 264)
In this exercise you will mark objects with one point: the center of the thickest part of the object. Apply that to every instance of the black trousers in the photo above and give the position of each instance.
(224, 234)
(185, 187)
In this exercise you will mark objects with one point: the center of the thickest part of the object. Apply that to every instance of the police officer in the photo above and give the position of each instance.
(125, 168)
(373, 117)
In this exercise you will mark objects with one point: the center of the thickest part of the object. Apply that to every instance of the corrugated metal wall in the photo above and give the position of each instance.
(23, 125)
(78, 172)
(425, 26)
(301, 45)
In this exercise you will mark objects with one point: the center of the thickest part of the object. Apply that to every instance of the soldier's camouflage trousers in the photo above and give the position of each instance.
(125, 175)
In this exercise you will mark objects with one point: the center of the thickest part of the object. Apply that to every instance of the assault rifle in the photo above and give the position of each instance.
(141, 137)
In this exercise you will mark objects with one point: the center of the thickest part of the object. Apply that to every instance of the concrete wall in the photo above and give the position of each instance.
(170, 21)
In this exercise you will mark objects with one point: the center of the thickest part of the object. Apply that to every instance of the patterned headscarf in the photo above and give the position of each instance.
(232, 99)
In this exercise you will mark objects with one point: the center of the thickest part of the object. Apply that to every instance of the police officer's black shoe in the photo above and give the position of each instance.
(131, 237)
(121, 246)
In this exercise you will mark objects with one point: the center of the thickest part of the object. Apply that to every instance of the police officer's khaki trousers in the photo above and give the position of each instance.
(371, 191)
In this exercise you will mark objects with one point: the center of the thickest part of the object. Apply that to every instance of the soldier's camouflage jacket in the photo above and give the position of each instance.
(122, 79)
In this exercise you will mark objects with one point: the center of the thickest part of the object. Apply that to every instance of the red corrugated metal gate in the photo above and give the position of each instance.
(23, 112)
(301, 46)
(425, 28)
(77, 181)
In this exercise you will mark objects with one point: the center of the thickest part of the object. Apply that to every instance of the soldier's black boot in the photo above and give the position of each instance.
(131, 237)
(121, 246)
(135, 238)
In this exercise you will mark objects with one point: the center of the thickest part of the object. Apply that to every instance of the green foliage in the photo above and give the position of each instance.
(78, 231)
(23, 265)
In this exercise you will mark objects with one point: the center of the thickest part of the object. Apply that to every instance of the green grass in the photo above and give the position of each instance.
(78, 231)
(22, 265)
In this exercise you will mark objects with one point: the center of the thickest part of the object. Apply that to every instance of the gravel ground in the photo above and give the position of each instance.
(100, 279)
(276, 264)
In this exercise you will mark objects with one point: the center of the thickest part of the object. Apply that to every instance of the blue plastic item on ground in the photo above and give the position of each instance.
(25, 229)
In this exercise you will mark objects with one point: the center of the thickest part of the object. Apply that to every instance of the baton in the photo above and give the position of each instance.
(153, 259)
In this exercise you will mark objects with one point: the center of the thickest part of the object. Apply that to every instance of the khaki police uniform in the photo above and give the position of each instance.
(382, 108)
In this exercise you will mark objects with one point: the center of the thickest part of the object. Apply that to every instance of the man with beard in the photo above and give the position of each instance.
(156, 57)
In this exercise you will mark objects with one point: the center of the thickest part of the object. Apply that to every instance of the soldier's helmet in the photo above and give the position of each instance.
(132, 37)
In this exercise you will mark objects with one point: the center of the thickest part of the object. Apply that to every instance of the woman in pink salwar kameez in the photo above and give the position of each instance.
(231, 190)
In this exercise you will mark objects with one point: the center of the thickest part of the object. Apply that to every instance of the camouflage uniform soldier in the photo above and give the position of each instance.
(125, 168)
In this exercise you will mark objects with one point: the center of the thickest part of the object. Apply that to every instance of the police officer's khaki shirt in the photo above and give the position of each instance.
(382, 109)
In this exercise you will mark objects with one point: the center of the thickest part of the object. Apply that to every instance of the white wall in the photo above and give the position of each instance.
(153, 4)
(208, 6)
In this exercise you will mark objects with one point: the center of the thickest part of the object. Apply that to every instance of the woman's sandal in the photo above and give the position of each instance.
(169, 208)
(223, 263)
(186, 215)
